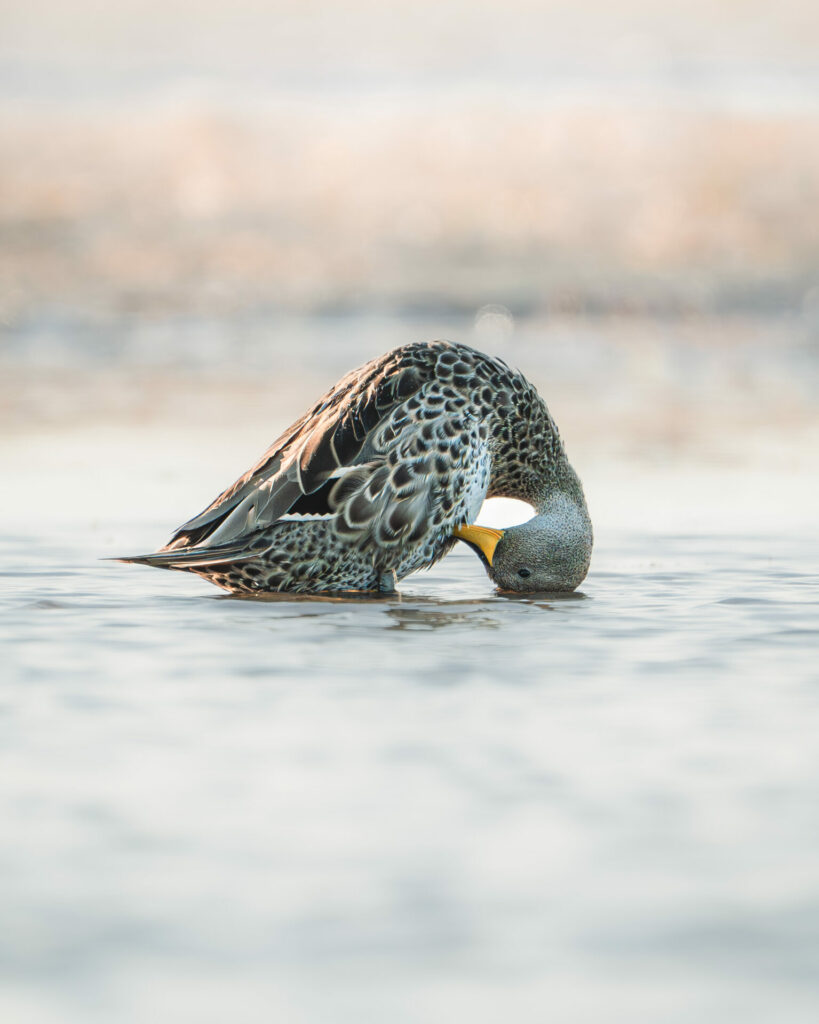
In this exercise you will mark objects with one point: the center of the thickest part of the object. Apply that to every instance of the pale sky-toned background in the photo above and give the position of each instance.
(210, 211)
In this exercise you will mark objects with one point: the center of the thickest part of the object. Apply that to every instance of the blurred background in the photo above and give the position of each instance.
(208, 212)
(449, 807)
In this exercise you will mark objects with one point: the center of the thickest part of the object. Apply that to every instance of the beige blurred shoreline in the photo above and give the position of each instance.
(567, 158)
(405, 205)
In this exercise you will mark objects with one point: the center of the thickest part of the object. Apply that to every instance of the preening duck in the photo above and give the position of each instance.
(382, 476)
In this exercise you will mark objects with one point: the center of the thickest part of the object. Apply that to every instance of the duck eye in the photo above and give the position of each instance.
(524, 573)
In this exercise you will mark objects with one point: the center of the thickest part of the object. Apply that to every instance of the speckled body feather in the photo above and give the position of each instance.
(370, 483)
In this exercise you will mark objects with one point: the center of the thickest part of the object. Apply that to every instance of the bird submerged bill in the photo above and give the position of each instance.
(482, 539)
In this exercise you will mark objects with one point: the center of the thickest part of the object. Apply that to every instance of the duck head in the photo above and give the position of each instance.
(549, 552)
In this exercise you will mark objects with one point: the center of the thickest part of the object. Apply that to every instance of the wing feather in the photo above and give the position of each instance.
(415, 481)
(335, 433)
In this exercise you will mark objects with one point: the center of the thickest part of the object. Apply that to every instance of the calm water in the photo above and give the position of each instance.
(444, 806)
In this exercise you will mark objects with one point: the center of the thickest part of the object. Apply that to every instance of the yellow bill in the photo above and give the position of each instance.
(482, 539)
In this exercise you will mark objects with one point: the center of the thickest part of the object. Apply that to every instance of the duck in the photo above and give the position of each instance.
(384, 474)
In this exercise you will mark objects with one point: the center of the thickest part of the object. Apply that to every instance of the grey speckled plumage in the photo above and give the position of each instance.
(374, 480)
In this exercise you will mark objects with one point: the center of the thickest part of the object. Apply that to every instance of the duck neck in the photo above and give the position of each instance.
(563, 499)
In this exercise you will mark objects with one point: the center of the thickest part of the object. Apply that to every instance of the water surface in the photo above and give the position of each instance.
(442, 805)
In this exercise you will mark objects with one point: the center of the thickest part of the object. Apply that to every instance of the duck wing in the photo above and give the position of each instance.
(332, 437)
(428, 469)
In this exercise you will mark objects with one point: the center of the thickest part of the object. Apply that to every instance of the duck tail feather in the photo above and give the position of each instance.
(184, 558)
